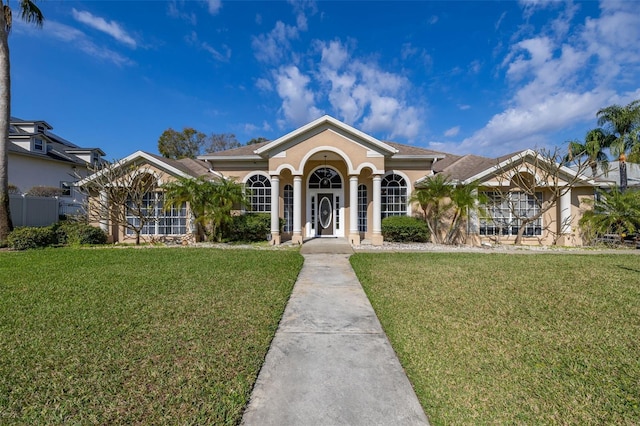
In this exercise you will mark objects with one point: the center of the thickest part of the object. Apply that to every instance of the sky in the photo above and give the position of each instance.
(462, 77)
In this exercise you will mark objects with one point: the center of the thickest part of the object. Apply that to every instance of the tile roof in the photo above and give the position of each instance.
(414, 150)
(195, 168)
(463, 167)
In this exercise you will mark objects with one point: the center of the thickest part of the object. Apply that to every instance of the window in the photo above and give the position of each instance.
(504, 213)
(288, 208)
(325, 178)
(394, 196)
(259, 193)
(66, 188)
(170, 222)
(38, 144)
(362, 208)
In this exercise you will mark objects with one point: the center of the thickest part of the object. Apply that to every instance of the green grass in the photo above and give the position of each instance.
(513, 339)
(136, 336)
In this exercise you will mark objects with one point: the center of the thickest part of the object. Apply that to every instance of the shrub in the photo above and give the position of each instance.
(31, 237)
(404, 229)
(250, 227)
(77, 233)
(45, 191)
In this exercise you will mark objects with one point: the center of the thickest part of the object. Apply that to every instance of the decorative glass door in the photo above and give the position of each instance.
(325, 224)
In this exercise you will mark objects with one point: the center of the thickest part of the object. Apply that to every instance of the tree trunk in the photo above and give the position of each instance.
(6, 225)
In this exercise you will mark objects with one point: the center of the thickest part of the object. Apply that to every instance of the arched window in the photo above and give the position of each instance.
(259, 193)
(363, 202)
(394, 196)
(325, 178)
(288, 208)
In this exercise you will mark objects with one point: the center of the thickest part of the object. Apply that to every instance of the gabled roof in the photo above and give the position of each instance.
(185, 167)
(461, 168)
(244, 152)
(326, 121)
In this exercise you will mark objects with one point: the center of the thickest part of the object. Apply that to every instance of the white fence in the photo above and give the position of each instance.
(40, 211)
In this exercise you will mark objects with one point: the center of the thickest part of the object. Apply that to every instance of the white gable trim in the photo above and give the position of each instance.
(131, 158)
(519, 156)
(325, 120)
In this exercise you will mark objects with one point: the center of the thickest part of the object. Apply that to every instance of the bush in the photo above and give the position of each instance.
(45, 191)
(250, 227)
(404, 229)
(77, 233)
(30, 237)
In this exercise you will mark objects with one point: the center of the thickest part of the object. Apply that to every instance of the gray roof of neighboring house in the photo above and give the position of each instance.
(60, 149)
(613, 174)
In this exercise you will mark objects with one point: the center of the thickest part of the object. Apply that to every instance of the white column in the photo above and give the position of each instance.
(297, 210)
(377, 210)
(565, 213)
(354, 235)
(275, 210)
(103, 205)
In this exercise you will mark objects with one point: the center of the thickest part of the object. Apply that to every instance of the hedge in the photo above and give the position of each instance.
(64, 233)
(404, 229)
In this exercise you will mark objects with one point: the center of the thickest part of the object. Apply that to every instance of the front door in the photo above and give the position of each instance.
(325, 225)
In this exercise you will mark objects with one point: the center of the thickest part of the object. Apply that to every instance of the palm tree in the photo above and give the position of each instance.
(465, 199)
(30, 13)
(210, 202)
(593, 149)
(196, 192)
(623, 123)
(613, 212)
(433, 199)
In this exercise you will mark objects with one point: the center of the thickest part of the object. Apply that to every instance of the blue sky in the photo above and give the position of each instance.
(476, 77)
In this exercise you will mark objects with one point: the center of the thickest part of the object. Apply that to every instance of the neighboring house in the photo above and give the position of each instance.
(38, 157)
(328, 179)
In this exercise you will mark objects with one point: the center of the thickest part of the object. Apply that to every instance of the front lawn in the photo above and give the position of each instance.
(136, 336)
(513, 339)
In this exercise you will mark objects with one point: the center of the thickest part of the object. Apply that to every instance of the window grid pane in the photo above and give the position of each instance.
(288, 208)
(259, 193)
(394, 196)
(504, 214)
(170, 222)
(362, 208)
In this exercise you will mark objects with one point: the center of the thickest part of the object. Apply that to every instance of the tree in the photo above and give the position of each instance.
(465, 199)
(126, 195)
(198, 193)
(257, 140)
(596, 142)
(186, 144)
(529, 184)
(433, 198)
(623, 123)
(211, 202)
(614, 212)
(30, 13)
(222, 142)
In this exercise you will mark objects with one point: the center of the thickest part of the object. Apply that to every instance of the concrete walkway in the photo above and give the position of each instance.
(330, 363)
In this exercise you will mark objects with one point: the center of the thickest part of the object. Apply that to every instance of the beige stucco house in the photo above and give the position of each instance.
(328, 179)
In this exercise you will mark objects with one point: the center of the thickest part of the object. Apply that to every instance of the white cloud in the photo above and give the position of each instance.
(264, 84)
(452, 131)
(560, 79)
(271, 47)
(111, 28)
(214, 6)
(361, 92)
(74, 38)
(174, 12)
(298, 102)
(222, 56)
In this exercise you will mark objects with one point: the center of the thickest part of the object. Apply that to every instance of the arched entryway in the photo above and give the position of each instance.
(325, 203)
